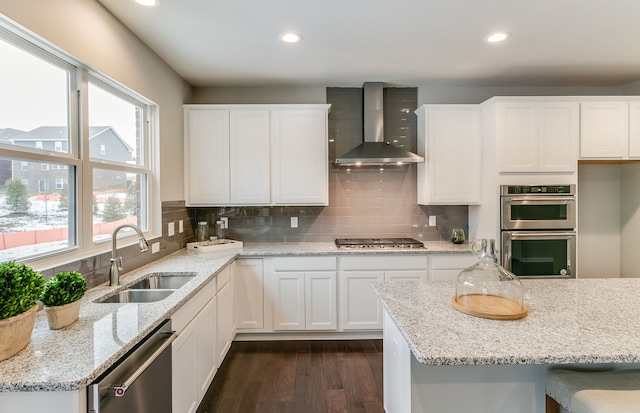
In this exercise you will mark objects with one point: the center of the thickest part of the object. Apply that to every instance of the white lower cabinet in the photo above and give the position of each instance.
(249, 294)
(360, 308)
(446, 267)
(303, 292)
(226, 323)
(205, 329)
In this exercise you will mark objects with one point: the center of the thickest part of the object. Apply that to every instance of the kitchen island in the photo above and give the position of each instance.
(438, 359)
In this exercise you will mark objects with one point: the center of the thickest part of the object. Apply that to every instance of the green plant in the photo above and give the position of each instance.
(113, 210)
(20, 287)
(63, 288)
(17, 199)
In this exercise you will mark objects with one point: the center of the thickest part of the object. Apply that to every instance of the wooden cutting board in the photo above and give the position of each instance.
(489, 306)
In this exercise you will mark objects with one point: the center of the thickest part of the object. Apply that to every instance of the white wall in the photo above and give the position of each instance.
(84, 29)
(244, 95)
(599, 226)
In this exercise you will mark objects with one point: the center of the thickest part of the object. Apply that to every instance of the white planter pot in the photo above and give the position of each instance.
(61, 316)
(15, 332)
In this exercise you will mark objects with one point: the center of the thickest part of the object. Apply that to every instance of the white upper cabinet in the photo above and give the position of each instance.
(609, 129)
(535, 136)
(299, 157)
(206, 156)
(450, 139)
(256, 155)
(249, 157)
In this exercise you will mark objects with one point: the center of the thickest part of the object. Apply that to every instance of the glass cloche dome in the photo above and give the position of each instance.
(486, 289)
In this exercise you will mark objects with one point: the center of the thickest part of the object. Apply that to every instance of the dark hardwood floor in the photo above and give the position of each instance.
(342, 376)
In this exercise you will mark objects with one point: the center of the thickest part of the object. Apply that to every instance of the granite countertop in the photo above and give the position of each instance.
(73, 357)
(329, 248)
(569, 321)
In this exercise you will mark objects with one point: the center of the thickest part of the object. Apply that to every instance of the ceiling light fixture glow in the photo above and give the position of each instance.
(291, 37)
(498, 37)
(147, 3)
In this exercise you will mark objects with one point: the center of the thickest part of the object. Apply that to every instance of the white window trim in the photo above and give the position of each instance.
(84, 228)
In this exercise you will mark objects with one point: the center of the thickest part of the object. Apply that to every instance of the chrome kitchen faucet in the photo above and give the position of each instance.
(116, 262)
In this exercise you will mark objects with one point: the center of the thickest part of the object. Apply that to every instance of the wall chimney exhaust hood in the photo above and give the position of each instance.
(374, 150)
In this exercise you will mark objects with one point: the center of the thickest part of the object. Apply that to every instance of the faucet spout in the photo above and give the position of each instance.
(116, 262)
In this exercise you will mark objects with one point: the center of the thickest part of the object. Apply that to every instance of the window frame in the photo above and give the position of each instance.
(76, 159)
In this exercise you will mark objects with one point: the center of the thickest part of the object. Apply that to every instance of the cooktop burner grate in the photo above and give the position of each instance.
(378, 243)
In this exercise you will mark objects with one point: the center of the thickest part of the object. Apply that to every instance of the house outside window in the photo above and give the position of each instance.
(84, 122)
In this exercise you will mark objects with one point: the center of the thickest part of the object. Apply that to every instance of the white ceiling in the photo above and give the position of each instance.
(401, 42)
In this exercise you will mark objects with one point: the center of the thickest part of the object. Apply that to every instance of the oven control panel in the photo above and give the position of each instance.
(507, 190)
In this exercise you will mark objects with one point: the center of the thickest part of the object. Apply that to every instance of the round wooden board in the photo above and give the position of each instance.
(489, 306)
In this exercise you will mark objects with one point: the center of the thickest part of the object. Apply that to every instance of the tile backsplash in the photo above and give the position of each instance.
(363, 202)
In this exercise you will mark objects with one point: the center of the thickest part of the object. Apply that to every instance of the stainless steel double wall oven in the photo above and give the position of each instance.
(538, 236)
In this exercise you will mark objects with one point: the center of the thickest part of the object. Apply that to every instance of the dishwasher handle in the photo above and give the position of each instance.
(120, 390)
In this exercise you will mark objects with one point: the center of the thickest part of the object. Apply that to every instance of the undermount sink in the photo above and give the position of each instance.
(163, 281)
(153, 287)
(137, 296)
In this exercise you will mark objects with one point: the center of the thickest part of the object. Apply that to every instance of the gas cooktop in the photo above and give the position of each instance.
(380, 243)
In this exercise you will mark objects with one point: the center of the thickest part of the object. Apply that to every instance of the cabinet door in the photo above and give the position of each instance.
(517, 130)
(224, 322)
(558, 132)
(299, 157)
(634, 130)
(320, 300)
(288, 301)
(604, 129)
(206, 342)
(249, 294)
(183, 377)
(206, 156)
(249, 157)
(360, 308)
(451, 173)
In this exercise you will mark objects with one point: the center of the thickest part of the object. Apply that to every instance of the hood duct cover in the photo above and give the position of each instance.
(374, 150)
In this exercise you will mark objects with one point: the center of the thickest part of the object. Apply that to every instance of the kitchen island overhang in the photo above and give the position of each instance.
(434, 354)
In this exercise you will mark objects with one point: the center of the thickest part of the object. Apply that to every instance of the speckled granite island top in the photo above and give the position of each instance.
(72, 358)
(569, 321)
(329, 248)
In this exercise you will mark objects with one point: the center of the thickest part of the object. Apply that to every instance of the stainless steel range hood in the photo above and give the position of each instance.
(374, 150)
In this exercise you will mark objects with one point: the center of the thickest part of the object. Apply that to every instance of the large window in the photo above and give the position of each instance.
(74, 149)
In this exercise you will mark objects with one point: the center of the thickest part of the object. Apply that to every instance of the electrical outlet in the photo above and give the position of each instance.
(171, 230)
(432, 221)
(180, 227)
(225, 222)
(155, 247)
(294, 222)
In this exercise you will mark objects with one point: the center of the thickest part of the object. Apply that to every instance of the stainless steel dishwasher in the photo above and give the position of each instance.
(140, 382)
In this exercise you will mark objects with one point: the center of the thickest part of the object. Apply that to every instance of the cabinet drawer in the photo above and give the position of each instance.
(304, 263)
(453, 261)
(384, 262)
(223, 277)
(188, 312)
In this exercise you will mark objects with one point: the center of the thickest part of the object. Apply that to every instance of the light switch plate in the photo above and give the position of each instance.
(155, 247)
(171, 230)
(432, 220)
(180, 227)
(294, 222)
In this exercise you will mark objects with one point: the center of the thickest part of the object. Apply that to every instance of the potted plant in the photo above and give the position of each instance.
(20, 287)
(61, 298)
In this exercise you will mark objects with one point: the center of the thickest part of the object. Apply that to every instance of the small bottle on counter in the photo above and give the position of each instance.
(220, 230)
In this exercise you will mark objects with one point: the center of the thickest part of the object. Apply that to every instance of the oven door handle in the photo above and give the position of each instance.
(120, 390)
(532, 199)
(539, 234)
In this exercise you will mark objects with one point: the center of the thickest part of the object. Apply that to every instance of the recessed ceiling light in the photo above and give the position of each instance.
(148, 3)
(290, 37)
(498, 37)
